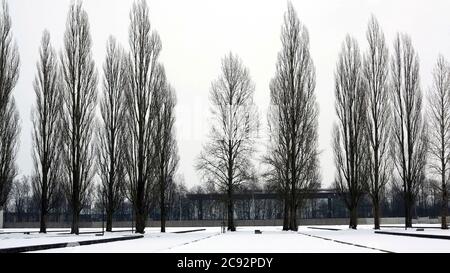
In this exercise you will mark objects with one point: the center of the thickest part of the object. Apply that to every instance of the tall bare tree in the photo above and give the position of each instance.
(144, 79)
(376, 72)
(350, 143)
(110, 150)
(165, 146)
(293, 124)
(409, 146)
(79, 95)
(9, 145)
(439, 130)
(226, 158)
(46, 128)
(9, 116)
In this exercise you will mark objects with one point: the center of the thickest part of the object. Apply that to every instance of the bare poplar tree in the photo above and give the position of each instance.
(439, 130)
(293, 124)
(110, 150)
(9, 116)
(376, 72)
(350, 144)
(409, 145)
(46, 129)
(144, 78)
(79, 95)
(9, 145)
(165, 146)
(226, 158)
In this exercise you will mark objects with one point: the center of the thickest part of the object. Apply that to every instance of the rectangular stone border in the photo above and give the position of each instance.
(429, 236)
(187, 231)
(63, 245)
(320, 228)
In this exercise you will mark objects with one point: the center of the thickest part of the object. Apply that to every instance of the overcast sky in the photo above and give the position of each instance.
(196, 34)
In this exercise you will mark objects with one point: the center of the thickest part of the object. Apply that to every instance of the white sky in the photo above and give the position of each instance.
(196, 34)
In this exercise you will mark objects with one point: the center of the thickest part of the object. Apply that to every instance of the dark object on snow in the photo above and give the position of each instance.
(192, 230)
(332, 229)
(257, 231)
(420, 229)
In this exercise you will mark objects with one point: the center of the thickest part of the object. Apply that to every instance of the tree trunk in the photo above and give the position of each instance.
(408, 212)
(44, 202)
(286, 214)
(408, 220)
(109, 218)
(43, 225)
(75, 196)
(75, 222)
(163, 211)
(231, 226)
(353, 217)
(140, 221)
(376, 214)
(444, 208)
(110, 200)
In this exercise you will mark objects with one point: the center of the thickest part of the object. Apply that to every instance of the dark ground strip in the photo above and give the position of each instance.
(403, 227)
(30, 232)
(63, 245)
(346, 243)
(100, 232)
(192, 230)
(80, 233)
(429, 236)
(332, 229)
(123, 230)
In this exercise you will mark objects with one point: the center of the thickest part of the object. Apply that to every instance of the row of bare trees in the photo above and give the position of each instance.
(126, 137)
(382, 134)
(292, 160)
(131, 147)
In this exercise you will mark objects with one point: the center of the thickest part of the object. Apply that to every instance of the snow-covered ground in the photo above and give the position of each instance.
(366, 236)
(16, 238)
(10, 238)
(152, 242)
(272, 240)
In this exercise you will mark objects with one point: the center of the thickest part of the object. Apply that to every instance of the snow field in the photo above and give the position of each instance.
(272, 240)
